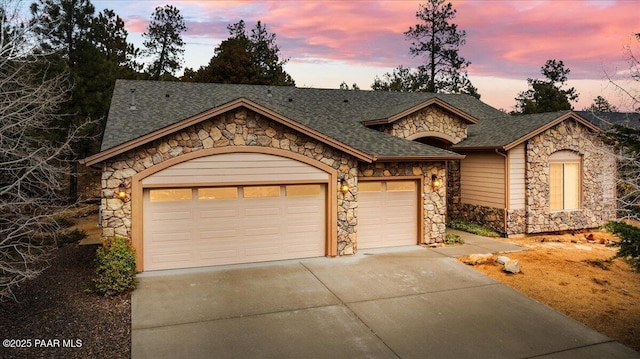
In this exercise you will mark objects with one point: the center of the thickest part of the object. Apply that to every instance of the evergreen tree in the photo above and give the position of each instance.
(547, 95)
(163, 41)
(439, 40)
(403, 79)
(93, 51)
(244, 59)
(601, 105)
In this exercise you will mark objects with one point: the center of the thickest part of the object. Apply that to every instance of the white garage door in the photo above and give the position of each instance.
(192, 227)
(387, 213)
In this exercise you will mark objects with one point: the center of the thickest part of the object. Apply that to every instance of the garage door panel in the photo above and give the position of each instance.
(218, 213)
(218, 254)
(262, 211)
(387, 214)
(218, 234)
(171, 237)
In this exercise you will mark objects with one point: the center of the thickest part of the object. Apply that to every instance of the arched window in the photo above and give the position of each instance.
(565, 181)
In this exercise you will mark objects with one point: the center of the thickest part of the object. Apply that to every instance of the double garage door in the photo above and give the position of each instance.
(203, 226)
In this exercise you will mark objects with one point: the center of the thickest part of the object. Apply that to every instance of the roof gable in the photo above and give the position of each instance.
(506, 132)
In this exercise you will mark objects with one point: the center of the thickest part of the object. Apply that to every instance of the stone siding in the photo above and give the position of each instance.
(431, 119)
(434, 202)
(492, 218)
(598, 179)
(453, 190)
(236, 128)
(516, 222)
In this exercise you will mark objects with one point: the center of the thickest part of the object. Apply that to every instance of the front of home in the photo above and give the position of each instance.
(211, 174)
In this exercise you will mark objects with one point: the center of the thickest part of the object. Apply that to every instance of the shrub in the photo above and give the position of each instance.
(115, 267)
(452, 238)
(629, 242)
(472, 228)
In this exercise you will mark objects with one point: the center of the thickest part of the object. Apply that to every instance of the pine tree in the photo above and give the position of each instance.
(163, 41)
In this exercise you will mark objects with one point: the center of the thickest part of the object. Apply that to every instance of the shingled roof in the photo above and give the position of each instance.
(505, 131)
(142, 107)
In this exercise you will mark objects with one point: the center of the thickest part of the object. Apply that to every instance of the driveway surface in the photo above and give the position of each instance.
(406, 302)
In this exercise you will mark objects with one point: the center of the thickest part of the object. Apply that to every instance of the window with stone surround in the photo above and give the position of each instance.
(565, 187)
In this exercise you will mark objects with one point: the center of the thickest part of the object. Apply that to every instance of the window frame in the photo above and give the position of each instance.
(564, 158)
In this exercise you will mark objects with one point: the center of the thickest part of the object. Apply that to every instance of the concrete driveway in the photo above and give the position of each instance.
(407, 302)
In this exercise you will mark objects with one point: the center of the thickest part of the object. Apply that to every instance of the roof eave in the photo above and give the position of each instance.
(240, 102)
(477, 148)
(419, 158)
(432, 101)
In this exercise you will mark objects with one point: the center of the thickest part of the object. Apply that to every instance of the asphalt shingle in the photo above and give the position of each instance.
(496, 132)
(335, 113)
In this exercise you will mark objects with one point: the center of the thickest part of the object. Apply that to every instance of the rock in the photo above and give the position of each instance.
(502, 259)
(475, 259)
(512, 266)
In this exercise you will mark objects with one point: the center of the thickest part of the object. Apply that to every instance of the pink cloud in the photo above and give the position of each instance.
(510, 39)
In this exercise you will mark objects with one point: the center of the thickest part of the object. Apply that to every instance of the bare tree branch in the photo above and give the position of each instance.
(32, 165)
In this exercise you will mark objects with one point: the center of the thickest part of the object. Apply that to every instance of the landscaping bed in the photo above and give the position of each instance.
(56, 317)
(574, 274)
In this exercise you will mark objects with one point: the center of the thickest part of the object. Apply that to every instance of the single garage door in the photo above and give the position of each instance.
(204, 226)
(387, 213)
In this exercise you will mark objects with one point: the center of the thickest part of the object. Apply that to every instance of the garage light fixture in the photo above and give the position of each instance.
(122, 191)
(435, 182)
(344, 187)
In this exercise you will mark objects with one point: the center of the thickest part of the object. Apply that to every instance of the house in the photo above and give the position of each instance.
(534, 173)
(208, 174)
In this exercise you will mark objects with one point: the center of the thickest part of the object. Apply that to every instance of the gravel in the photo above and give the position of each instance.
(56, 317)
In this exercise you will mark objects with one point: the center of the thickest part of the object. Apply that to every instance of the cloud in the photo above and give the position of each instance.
(509, 39)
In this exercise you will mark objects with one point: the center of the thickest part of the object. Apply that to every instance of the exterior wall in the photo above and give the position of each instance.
(517, 169)
(430, 119)
(434, 201)
(236, 128)
(598, 179)
(482, 180)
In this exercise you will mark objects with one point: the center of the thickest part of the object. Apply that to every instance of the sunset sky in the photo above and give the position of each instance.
(507, 42)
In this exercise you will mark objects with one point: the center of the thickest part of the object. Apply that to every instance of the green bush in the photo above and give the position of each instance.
(452, 238)
(472, 228)
(115, 267)
(629, 242)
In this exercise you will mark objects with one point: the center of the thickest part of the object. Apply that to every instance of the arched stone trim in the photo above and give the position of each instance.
(435, 134)
(137, 189)
(565, 155)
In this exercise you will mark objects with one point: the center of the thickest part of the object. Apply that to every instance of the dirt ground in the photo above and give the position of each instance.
(572, 274)
(53, 315)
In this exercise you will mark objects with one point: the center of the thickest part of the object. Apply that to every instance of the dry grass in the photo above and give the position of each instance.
(579, 279)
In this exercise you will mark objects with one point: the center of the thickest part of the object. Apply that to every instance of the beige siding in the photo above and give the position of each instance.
(516, 177)
(482, 180)
(236, 168)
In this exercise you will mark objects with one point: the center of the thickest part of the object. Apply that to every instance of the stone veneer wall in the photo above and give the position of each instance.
(598, 179)
(453, 190)
(431, 119)
(235, 128)
(516, 222)
(492, 218)
(434, 202)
